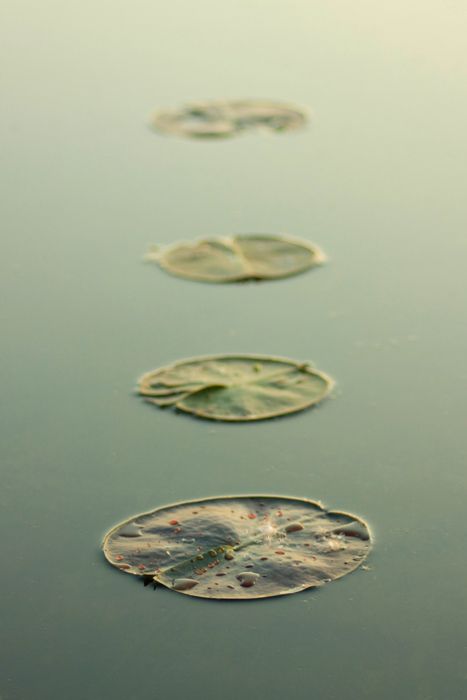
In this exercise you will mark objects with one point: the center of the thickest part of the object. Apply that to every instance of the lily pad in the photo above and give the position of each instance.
(236, 387)
(224, 118)
(238, 258)
(239, 547)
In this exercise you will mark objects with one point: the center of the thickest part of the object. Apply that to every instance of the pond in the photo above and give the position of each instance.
(376, 181)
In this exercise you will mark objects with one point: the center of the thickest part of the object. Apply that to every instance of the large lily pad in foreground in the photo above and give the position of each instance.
(238, 258)
(223, 118)
(239, 547)
(236, 387)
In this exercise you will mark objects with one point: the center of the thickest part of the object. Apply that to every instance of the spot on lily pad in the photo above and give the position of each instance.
(329, 545)
(238, 258)
(225, 118)
(232, 388)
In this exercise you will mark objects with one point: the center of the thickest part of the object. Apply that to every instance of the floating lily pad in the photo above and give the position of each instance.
(236, 387)
(223, 118)
(238, 258)
(239, 547)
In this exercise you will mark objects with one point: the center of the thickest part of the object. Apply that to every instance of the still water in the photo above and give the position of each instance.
(377, 181)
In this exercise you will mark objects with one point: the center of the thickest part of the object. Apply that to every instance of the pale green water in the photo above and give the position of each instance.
(378, 181)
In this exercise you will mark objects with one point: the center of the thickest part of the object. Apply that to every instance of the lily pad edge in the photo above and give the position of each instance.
(156, 252)
(317, 504)
(305, 112)
(331, 383)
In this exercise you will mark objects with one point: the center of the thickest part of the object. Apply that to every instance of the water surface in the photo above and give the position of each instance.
(377, 181)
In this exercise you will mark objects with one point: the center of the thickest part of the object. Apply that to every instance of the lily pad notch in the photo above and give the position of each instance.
(236, 388)
(239, 547)
(237, 258)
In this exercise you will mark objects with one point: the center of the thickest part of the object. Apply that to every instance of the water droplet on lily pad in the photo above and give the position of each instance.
(231, 388)
(268, 561)
(131, 530)
(223, 118)
(247, 579)
(184, 584)
(238, 258)
(294, 527)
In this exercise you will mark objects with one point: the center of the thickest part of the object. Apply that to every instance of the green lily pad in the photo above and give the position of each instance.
(224, 118)
(236, 387)
(238, 258)
(239, 547)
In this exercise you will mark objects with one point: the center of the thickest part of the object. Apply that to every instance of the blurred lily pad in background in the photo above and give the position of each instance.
(224, 118)
(239, 547)
(238, 258)
(236, 387)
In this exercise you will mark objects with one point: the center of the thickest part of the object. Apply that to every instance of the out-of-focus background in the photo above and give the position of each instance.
(378, 181)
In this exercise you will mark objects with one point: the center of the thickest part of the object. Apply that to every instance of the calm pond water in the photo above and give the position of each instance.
(378, 181)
